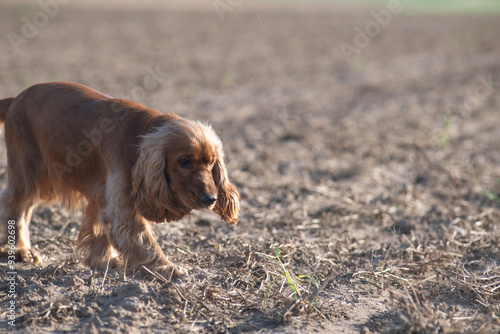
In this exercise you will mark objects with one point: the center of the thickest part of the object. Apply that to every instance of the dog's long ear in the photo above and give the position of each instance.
(150, 191)
(228, 198)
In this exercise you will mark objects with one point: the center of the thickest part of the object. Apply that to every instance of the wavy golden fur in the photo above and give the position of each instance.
(129, 165)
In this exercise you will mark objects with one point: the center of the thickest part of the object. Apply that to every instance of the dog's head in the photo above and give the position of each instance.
(180, 168)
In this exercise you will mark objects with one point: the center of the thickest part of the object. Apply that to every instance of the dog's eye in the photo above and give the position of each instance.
(185, 163)
(211, 163)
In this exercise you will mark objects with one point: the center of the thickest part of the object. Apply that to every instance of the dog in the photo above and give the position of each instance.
(128, 166)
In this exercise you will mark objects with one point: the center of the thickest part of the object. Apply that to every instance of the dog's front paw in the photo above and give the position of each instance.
(21, 254)
(171, 272)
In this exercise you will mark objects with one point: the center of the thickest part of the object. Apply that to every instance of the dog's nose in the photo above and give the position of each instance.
(208, 199)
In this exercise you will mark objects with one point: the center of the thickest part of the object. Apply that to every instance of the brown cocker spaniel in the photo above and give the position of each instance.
(128, 164)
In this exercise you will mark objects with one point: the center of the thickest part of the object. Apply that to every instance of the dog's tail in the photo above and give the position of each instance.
(4, 106)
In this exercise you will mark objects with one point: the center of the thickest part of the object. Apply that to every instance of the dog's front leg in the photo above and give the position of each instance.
(130, 234)
(132, 237)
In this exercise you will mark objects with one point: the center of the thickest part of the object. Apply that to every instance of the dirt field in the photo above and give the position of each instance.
(377, 180)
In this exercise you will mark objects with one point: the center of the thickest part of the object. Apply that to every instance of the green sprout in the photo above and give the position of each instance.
(294, 287)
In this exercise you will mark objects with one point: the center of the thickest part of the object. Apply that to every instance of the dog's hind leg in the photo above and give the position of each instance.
(16, 208)
(25, 172)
